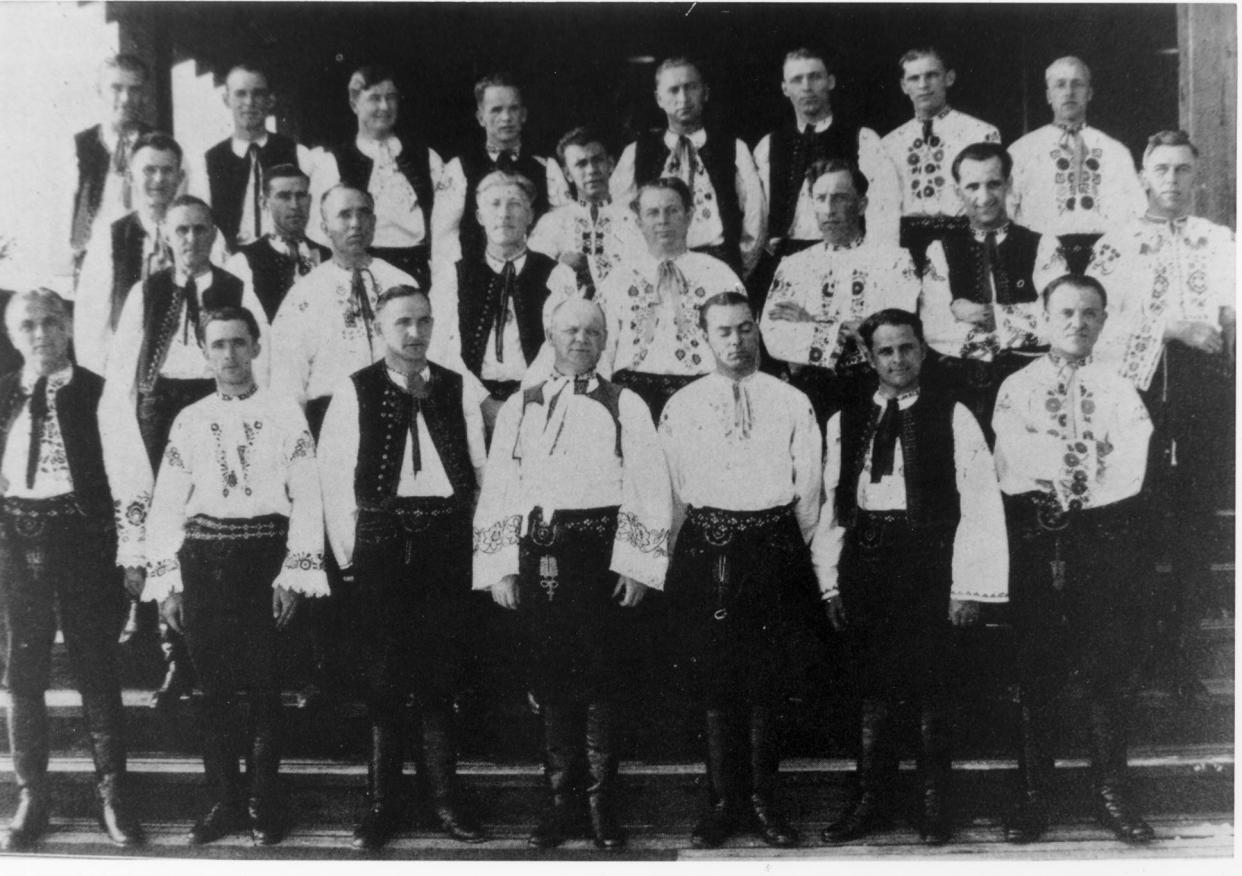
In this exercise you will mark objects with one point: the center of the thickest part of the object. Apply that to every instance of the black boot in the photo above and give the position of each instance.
(440, 760)
(264, 809)
(867, 814)
(105, 719)
(601, 750)
(179, 672)
(29, 744)
(721, 819)
(935, 768)
(220, 766)
(1027, 820)
(764, 777)
(1108, 763)
(383, 776)
(114, 816)
(561, 739)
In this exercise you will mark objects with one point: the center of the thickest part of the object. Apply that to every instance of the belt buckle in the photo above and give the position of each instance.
(542, 534)
(1051, 519)
(872, 535)
(717, 535)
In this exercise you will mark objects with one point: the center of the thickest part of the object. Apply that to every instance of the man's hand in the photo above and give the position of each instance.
(575, 260)
(631, 592)
(963, 613)
(789, 311)
(170, 609)
(835, 609)
(970, 311)
(1196, 335)
(135, 578)
(284, 605)
(505, 592)
(774, 245)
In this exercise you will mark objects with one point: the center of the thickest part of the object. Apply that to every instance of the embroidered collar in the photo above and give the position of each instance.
(938, 117)
(1001, 233)
(838, 247)
(904, 399)
(401, 378)
(588, 381)
(1062, 361)
(372, 149)
(202, 280)
(241, 396)
(1071, 127)
(493, 152)
(241, 147)
(697, 139)
(587, 205)
(498, 264)
(1177, 223)
(55, 380)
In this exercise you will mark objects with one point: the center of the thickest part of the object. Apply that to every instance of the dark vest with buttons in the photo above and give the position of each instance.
(94, 162)
(719, 160)
(274, 273)
(839, 141)
(129, 240)
(1015, 281)
(414, 162)
(926, 435)
(227, 176)
(478, 291)
(476, 163)
(76, 404)
(384, 413)
(159, 325)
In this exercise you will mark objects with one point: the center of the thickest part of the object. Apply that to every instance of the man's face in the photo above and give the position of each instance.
(680, 92)
(155, 175)
(505, 214)
(925, 81)
(124, 93)
(588, 169)
(1169, 175)
(1069, 92)
(288, 203)
(1074, 317)
(838, 207)
(983, 189)
(376, 108)
(663, 220)
(897, 356)
(733, 335)
(191, 232)
(808, 85)
(229, 350)
(348, 222)
(405, 325)
(577, 335)
(40, 334)
(249, 99)
(502, 115)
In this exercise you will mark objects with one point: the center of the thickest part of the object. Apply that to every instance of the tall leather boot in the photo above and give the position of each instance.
(764, 778)
(721, 819)
(29, 744)
(868, 813)
(601, 751)
(264, 809)
(561, 741)
(106, 720)
(179, 672)
(220, 766)
(935, 771)
(440, 761)
(383, 780)
(1108, 764)
(132, 627)
(1027, 820)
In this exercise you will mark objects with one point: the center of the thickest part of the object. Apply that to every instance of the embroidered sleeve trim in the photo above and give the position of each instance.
(162, 568)
(649, 541)
(304, 560)
(492, 539)
(304, 448)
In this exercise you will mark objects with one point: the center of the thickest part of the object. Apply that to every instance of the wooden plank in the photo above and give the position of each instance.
(1207, 42)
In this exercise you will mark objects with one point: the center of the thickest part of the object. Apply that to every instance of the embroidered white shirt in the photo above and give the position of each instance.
(607, 240)
(925, 168)
(52, 476)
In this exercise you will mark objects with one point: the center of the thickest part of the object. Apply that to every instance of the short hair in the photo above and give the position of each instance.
(282, 171)
(323, 199)
(1067, 59)
(49, 298)
(504, 178)
(248, 67)
(573, 298)
(499, 79)
(668, 183)
(1169, 138)
(226, 314)
(983, 152)
(369, 76)
(729, 298)
(838, 165)
(190, 201)
(811, 53)
(403, 290)
(581, 136)
(678, 61)
(159, 141)
(890, 316)
(1079, 281)
(924, 52)
(127, 62)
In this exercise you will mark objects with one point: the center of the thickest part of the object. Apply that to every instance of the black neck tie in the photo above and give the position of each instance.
(253, 151)
(884, 445)
(993, 277)
(803, 151)
(417, 387)
(927, 131)
(190, 292)
(507, 282)
(38, 413)
(506, 161)
(362, 301)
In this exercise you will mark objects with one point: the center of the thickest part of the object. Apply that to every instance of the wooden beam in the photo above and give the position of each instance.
(1207, 42)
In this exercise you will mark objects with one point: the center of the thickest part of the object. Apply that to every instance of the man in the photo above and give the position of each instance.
(270, 266)
(1070, 179)
(501, 114)
(592, 233)
(1172, 333)
(728, 213)
(571, 532)
(980, 301)
(57, 546)
(820, 296)
(1071, 450)
(494, 300)
(155, 370)
(922, 147)
(744, 456)
(816, 133)
(656, 343)
(325, 328)
(401, 173)
(910, 540)
(401, 455)
(231, 178)
(235, 540)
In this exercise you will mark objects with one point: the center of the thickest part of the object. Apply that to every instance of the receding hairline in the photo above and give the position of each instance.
(581, 304)
(47, 299)
(1068, 61)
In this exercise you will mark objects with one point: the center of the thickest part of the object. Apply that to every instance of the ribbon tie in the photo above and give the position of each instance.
(671, 289)
(416, 385)
(508, 284)
(362, 301)
(743, 415)
(256, 183)
(190, 291)
(120, 166)
(38, 413)
(684, 163)
(884, 444)
(506, 161)
(1072, 143)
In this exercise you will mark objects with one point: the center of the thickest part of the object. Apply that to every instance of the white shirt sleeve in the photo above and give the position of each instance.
(92, 305)
(337, 459)
(754, 207)
(640, 550)
(621, 184)
(303, 571)
(166, 526)
(292, 343)
(944, 333)
(981, 545)
(808, 467)
(498, 518)
(323, 174)
(446, 215)
(883, 190)
(829, 533)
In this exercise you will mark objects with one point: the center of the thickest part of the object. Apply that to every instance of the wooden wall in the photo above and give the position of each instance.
(1207, 42)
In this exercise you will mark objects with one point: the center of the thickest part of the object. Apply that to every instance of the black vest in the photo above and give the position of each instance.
(787, 171)
(1014, 276)
(384, 413)
(129, 240)
(275, 273)
(927, 450)
(476, 164)
(227, 175)
(414, 162)
(719, 160)
(479, 290)
(94, 162)
(161, 308)
(76, 405)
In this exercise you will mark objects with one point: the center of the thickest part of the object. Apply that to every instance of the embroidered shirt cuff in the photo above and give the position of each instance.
(163, 578)
(303, 573)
